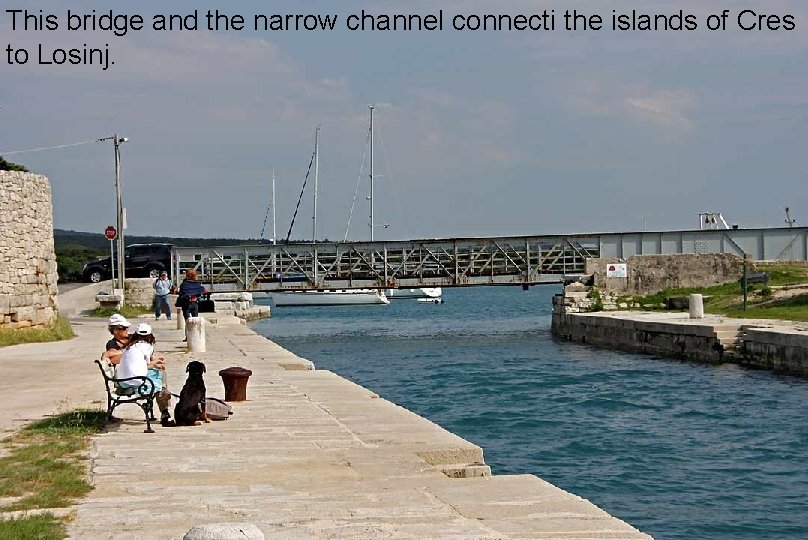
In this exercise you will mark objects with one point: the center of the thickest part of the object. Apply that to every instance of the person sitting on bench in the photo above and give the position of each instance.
(138, 360)
(119, 328)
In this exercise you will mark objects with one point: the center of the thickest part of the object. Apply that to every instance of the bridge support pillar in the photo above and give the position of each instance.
(195, 334)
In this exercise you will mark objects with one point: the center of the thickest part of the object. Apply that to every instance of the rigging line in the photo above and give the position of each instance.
(264, 226)
(356, 190)
(393, 188)
(12, 152)
(297, 207)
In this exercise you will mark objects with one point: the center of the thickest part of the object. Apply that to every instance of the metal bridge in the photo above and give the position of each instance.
(455, 262)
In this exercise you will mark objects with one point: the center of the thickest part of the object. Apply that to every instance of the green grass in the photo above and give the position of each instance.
(715, 292)
(789, 309)
(58, 331)
(126, 311)
(41, 527)
(784, 273)
(44, 469)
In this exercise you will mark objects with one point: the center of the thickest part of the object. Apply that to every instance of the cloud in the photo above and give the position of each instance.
(668, 110)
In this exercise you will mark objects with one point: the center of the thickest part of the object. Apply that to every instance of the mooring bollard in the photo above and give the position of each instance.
(696, 306)
(195, 334)
(235, 383)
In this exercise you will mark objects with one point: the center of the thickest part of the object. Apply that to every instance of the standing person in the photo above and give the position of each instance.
(138, 360)
(190, 291)
(162, 286)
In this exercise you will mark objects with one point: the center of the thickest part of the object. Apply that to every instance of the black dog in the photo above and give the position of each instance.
(190, 409)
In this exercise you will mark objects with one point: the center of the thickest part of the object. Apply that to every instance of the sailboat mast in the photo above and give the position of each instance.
(316, 180)
(372, 225)
(274, 233)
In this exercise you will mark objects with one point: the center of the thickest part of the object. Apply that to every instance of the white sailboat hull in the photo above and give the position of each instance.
(349, 297)
(424, 292)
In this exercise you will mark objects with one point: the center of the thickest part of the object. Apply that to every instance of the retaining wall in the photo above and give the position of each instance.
(27, 259)
(687, 342)
(776, 349)
(782, 349)
(649, 274)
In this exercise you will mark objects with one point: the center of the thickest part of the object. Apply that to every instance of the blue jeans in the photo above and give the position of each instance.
(159, 302)
(191, 310)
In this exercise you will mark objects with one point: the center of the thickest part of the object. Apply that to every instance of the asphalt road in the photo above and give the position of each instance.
(64, 287)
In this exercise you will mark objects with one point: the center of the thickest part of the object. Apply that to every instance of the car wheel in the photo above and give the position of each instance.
(95, 277)
(154, 272)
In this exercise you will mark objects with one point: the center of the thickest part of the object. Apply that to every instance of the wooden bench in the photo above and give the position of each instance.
(142, 395)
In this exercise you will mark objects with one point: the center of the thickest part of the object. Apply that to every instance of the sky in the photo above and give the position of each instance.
(478, 133)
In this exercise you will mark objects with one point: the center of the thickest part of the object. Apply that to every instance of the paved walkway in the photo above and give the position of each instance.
(310, 454)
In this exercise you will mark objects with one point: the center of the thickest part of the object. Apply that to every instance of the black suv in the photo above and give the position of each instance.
(142, 260)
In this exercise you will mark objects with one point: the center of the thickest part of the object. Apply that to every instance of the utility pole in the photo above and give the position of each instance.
(117, 142)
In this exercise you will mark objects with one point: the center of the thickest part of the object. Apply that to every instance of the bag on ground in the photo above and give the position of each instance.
(217, 409)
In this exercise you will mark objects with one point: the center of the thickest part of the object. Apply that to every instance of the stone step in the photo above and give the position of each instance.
(466, 470)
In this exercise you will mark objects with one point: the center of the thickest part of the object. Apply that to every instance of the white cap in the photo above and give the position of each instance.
(118, 320)
(143, 329)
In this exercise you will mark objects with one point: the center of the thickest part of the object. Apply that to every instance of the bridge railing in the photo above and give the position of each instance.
(423, 263)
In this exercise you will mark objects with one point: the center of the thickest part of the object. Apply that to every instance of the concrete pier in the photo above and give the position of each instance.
(759, 343)
(309, 455)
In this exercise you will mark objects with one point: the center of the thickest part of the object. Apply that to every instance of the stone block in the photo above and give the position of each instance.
(225, 531)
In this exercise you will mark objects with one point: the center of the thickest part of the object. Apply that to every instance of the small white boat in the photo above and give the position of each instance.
(437, 300)
(335, 297)
(424, 292)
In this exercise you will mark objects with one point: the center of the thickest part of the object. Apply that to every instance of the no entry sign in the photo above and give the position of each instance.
(111, 233)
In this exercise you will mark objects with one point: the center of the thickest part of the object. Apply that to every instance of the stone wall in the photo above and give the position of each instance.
(27, 260)
(649, 274)
(140, 292)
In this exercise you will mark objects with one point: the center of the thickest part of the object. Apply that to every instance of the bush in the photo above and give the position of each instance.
(765, 292)
(71, 260)
(9, 166)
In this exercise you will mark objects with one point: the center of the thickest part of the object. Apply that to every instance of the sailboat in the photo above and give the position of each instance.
(432, 293)
(326, 297)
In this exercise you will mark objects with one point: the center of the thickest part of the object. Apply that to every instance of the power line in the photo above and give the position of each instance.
(12, 152)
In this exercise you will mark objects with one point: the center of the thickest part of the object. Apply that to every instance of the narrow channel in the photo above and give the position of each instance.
(677, 449)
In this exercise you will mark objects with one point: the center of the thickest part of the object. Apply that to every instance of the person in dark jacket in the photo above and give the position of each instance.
(190, 291)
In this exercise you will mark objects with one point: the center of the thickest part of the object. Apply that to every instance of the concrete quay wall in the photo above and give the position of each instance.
(687, 342)
(759, 344)
(782, 350)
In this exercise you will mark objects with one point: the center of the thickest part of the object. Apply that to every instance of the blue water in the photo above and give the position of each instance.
(677, 449)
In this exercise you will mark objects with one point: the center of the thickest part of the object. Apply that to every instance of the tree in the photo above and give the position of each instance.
(9, 166)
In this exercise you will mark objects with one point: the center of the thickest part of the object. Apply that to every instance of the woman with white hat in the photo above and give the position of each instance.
(138, 360)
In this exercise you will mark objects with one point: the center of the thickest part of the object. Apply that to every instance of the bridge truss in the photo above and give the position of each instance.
(524, 260)
(516, 260)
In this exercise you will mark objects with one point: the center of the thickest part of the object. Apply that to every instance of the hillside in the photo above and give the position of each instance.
(75, 248)
(95, 241)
